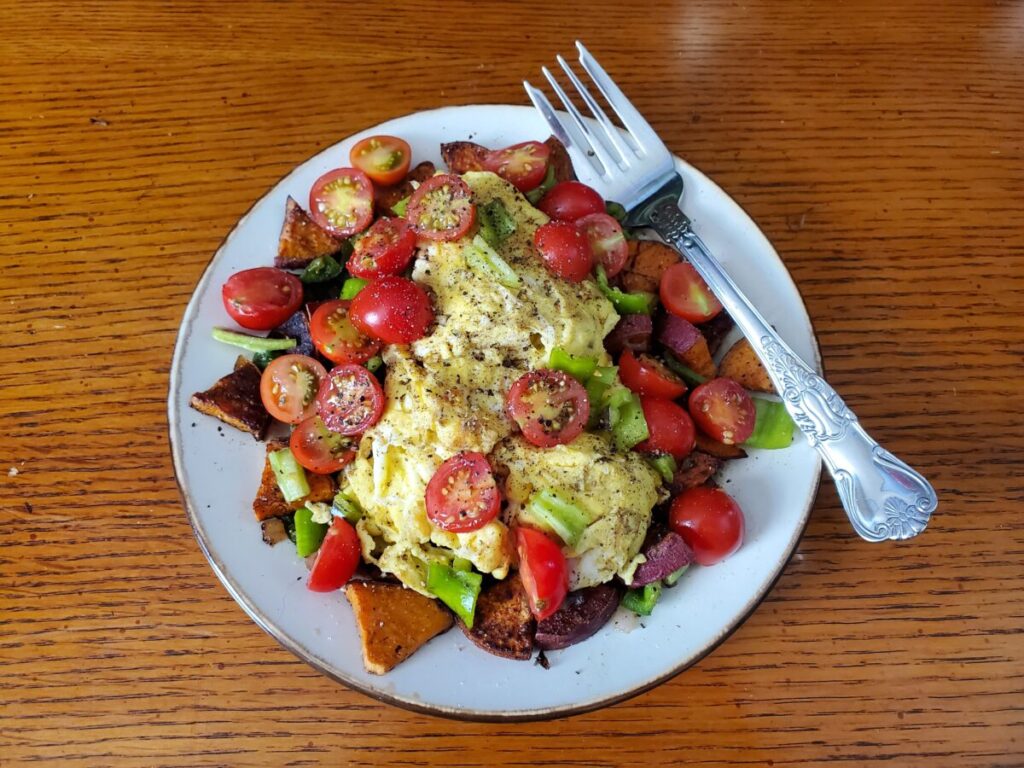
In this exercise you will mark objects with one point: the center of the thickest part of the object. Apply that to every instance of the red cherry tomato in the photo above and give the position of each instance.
(341, 201)
(337, 559)
(543, 570)
(565, 250)
(523, 165)
(607, 241)
(385, 249)
(262, 298)
(393, 309)
(335, 335)
(462, 495)
(670, 428)
(441, 208)
(318, 449)
(385, 159)
(647, 375)
(685, 294)
(571, 200)
(350, 400)
(289, 386)
(723, 410)
(550, 407)
(710, 521)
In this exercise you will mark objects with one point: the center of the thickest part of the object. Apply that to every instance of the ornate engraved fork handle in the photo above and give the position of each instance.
(883, 497)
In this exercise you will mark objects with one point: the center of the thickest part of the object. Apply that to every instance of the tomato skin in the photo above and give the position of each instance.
(607, 241)
(386, 248)
(723, 410)
(395, 310)
(550, 407)
(261, 299)
(670, 426)
(463, 496)
(289, 385)
(571, 200)
(441, 208)
(647, 375)
(350, 400)
(565, 250)
(710, 521)
(341, 201)
(523, 165)
(337, 558)
(543, 570)
(336, 336)
(385, 159)
(685, 294)
(318, 449)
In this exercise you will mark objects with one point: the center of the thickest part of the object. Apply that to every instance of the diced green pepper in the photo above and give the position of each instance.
(347, 507)
(496, 225)
(399, 207)
(535, 194)
(351, 287)
(290, 476)
(688, 375)
(308, 534)
(665, 464)
(673, 578)
(597, 387)
(483, 258)
(461, 564)
(374, 363)
(626, 419)
(616, 211)
(456, 589)
(641, 601)
(577, 366)
(625, 303)
(565, 519)
(320, 270)
(773, 426)
(262, 358)
(251, 343)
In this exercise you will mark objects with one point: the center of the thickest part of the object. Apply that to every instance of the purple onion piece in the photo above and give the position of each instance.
(632, 332)
(678, 335)
(665, 556)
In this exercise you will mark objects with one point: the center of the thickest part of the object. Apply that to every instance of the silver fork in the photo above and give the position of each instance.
(883, 497)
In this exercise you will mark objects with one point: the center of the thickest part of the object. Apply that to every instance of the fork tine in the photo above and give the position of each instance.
(614, 137)
(640, 130)
(595, 147)
(563, 132)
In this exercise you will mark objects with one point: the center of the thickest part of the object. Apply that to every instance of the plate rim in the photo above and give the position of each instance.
(284, 640)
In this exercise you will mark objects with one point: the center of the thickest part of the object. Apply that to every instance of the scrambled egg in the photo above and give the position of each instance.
(446, 394)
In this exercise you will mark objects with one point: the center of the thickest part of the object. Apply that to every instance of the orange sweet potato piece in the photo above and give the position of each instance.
(302, 239)
(742, 365)
(645, 271)
(270, 503)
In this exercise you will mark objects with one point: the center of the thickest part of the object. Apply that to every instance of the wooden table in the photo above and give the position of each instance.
(878, 145)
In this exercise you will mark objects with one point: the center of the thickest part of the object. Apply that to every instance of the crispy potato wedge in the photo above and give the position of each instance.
(560, 160)
(394, 622)
(388, 197)
(503, 624)
(270, 503)
(645, 271)
(698, 358)
(463, 156)
(302, 239)
(235, 400)
(742, 365)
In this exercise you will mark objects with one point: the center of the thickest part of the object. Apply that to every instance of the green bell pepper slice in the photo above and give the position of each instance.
(579, 367)
(320, 270)
(535, 194)
(773, 426)
(565, 519)
(625, 303)
(351, 287)
(308, 534)
(481, 257)
(641, 600)
(496, 225)
(458, 590)
(290, 476)
(665, 465)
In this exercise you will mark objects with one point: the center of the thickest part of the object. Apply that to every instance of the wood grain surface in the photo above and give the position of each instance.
(878, 145)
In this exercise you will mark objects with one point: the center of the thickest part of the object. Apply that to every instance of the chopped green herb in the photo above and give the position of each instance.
(399, 207)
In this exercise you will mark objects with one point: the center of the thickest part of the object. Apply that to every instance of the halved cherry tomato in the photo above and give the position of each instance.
(350, 400)
(289, 386)
(262, 298)
(723, 410)
(647, 375)
(337, 559)
(607, 241)
(385, 249)
(393, 309)
(685, 294)
(669, 426)
(565, 250)
(318, 449)
(462, 495)
(571, 200)
(341, 201)
(441, 208)
(385, 159)
(335, 335)
(710, 521)
(543, 570)
(523, 165)
(550, 407)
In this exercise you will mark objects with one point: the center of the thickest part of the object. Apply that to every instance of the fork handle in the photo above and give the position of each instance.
(883, 496)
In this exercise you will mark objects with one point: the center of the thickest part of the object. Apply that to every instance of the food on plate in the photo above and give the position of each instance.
(742, 365)
(502, 409)
(235, 400)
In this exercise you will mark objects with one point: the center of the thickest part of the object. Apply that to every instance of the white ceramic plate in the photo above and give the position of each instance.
(218, 469)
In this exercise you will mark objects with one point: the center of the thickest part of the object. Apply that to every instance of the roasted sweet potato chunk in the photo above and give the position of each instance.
(463, 156)
(698, 358)
(388, 197)
(270, 503)
(696, 469)
(503, 624)
(645, 271)
(721, 450)
(742, 365)
(394, 622)
(235, 400)
(302, 239)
